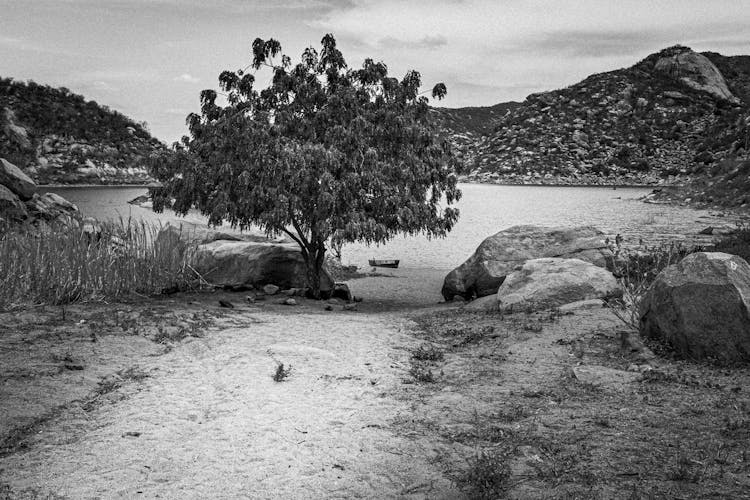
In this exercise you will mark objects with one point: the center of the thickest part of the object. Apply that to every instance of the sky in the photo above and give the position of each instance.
(149, 59)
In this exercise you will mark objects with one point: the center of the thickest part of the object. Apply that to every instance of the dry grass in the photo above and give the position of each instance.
(66, 265)
(534, 430)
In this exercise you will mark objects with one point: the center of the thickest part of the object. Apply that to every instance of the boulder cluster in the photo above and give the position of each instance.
(21, 204)
(700, 307)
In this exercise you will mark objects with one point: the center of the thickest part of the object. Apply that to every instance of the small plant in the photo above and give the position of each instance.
(282, 372)
(427, 352)
(421, 373)
(486, 477)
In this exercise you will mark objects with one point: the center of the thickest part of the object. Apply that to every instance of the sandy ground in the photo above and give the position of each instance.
(173, 397)
(201, 416)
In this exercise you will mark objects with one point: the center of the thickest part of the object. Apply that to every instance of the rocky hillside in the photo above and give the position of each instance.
(669, 118)
(56, 136)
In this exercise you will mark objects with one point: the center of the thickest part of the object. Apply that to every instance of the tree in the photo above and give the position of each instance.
(325, 154)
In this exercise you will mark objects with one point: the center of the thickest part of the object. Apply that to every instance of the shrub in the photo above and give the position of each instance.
(636, 270)
(63, 264)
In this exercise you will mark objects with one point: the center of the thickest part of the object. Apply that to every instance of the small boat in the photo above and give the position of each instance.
(393, 263)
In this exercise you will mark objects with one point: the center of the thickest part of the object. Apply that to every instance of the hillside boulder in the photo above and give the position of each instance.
(14, 179)
(696, 71)
(551, 282)
(245, 263)
(700, 306)
(497, 256)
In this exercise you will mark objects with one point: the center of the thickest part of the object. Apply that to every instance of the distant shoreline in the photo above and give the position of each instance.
(614, 186)
(123, 186)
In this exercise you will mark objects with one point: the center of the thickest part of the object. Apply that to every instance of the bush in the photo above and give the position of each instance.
(64, 265)
(636, 270)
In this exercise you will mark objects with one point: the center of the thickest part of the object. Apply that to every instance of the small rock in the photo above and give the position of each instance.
(290, 302)
(226, 303)
(270, 289)
(134, 434)
(250, 299)
(708, 231)
(341, 291)
(350, 307)
(328, 307)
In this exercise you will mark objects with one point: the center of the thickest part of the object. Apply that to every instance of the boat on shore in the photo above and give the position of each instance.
(392, 263)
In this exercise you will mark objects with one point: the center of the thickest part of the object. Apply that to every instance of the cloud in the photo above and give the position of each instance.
(429, 42)
(186, 78)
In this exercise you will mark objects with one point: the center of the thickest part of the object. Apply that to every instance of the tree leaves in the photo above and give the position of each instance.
(323, 153)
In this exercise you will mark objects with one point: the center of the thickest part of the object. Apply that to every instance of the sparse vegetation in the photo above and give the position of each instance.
(427, 352)
(486, 476)
(737, 243)
(421, 372)
(66, 265)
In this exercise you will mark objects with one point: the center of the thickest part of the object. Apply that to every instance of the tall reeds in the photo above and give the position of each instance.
(62, 264)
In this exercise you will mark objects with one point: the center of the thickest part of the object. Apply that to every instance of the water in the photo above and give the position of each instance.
(485, 209)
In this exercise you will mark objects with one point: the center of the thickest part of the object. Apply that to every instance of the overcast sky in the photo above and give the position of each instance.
(150, 58)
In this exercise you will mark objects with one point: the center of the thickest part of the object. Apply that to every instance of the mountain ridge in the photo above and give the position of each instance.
(668, 118)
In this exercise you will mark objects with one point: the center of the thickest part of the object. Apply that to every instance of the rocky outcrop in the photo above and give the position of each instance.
(548, 283)
(696, 71)
(497, 256)
(20, 204)
(701, 307)
(57, 137)
(243, 263)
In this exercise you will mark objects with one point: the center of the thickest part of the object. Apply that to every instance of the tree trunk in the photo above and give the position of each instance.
(314, 258)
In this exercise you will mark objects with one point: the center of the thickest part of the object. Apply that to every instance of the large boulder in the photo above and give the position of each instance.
(497, 256)
(551, 282)
(696, 71)
(14, 179)
(700, 306)
(245, 263)
(12, 210)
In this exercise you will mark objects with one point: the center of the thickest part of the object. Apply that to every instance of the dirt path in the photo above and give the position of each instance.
(209, 422)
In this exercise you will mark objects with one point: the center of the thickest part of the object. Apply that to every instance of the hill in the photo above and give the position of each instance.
(57, 136)
(669, 119)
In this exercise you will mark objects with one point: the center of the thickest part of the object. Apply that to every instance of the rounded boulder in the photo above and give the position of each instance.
(700, 306)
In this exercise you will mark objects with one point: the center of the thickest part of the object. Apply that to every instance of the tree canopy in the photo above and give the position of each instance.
(325, 153)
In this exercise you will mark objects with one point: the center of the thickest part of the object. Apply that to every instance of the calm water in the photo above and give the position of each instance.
(485, 209)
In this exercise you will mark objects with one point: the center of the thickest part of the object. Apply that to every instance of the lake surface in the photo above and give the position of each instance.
(485, 210)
